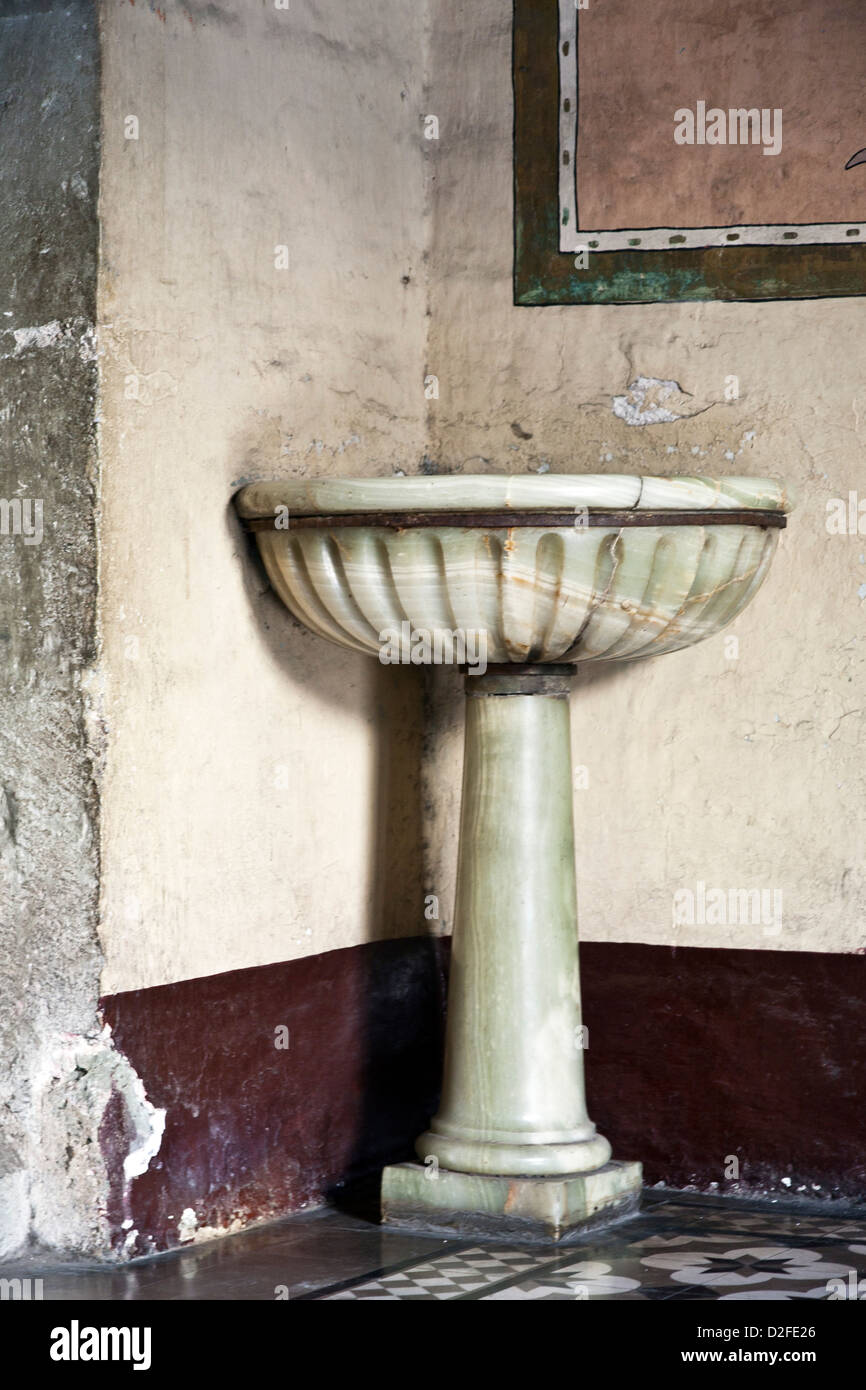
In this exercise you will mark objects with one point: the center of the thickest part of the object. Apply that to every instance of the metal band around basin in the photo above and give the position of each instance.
(566, 517)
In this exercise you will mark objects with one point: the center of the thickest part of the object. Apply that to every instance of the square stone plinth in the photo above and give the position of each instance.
(528, 1209)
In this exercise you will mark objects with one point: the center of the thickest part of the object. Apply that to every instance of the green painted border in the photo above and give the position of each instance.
(545, 275)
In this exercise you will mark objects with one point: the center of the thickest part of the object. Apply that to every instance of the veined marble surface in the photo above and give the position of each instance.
(538, 594)
(608, 491)
(565, 594)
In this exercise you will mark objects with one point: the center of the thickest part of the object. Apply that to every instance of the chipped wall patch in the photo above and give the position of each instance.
(55, 333)
(151, 1129)
(97, 1129)
(187, 1226)
(42, 336)
(651, 401)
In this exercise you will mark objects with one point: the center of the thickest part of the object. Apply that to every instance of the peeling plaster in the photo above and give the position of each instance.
(187, 1226)
(78, 331)
(137, 1161)
(651, 401)
(189, 1230)
(45, 335)
(94, 1132)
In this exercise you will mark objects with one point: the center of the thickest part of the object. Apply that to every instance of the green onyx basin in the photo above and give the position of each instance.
(552, 572)
(559, 568)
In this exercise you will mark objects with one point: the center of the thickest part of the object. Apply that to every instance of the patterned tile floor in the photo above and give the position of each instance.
(672, 1250)
(678, 1248)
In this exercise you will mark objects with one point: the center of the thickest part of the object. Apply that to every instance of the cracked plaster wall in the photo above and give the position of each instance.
(738, 772)
(58, 1068)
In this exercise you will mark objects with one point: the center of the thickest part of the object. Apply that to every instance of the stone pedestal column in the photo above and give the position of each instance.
(512, 1147)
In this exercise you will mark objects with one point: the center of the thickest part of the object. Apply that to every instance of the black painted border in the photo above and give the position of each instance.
(545, 275)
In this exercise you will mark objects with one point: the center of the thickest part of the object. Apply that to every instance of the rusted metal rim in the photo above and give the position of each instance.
(520, 678)
(566, 518)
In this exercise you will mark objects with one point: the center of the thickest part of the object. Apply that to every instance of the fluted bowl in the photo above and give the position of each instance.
(557, 568)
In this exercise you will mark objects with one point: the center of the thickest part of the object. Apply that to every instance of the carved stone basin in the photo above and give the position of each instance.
(527, 577)
(552, 569)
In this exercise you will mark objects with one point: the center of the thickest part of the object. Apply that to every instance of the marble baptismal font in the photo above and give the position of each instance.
(528, 578)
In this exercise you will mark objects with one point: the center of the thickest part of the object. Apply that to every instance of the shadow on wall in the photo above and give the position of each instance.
(391, 698)
(370, 1084)
(254, 1131)
(255, 1128)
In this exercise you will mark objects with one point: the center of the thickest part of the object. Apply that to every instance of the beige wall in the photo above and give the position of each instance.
(740, 773)
(245, 757)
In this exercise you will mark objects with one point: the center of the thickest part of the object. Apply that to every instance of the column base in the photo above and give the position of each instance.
(523, 1209)
(516, 1160)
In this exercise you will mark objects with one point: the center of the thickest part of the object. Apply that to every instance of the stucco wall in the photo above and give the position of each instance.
(244, 755)
(49, 953)
(702, 767)
(245, 758)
